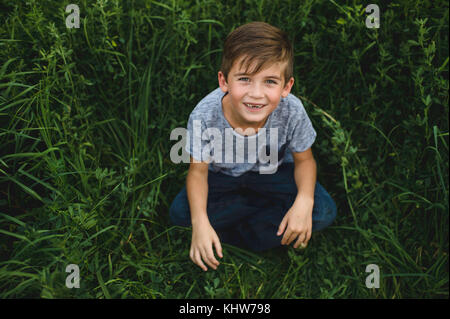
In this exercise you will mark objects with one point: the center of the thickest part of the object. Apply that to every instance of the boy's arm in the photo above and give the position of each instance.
(203, 234)
(305, 172)
(298, 220)
(197, 191)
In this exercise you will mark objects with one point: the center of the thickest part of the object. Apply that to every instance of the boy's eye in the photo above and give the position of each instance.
(267, 81)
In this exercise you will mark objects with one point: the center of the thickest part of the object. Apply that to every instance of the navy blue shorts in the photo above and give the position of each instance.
(246, 211)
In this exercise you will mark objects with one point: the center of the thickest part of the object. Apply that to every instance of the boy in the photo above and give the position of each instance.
(241, 201)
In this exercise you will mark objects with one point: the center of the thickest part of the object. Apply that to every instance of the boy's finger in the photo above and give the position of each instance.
(207, 259)
(282, 226)
(308, 236)
(198, 260)
(291, 238)
(212, 259)
(302, 237)
(286, 236)
(297, 243)
(218, 247)
(300, 241)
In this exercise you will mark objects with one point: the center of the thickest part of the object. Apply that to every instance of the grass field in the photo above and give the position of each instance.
(85, 173)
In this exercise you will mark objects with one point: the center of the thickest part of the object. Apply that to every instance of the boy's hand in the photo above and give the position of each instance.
(203, 238)
(298, 224)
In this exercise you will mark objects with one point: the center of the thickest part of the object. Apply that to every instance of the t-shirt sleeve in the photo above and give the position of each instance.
(194, 142)
(302, 132)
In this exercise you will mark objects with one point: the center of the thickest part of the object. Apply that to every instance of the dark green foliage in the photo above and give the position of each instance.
(85, 172)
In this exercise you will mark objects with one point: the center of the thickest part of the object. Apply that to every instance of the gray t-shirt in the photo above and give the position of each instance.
(212, 139)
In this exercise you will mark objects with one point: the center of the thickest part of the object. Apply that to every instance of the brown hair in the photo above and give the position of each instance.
(261, 42)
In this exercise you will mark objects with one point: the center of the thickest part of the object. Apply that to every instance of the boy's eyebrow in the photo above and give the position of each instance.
(273, 77)
(267, 77)
(239, 74)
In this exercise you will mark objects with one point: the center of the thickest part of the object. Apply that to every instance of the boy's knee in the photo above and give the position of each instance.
(332, 210)
(179, 212)
(327, 212)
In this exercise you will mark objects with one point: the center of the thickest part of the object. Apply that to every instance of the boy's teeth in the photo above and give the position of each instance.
(253, 106)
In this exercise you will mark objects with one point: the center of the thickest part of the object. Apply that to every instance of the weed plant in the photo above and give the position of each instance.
(85, 173)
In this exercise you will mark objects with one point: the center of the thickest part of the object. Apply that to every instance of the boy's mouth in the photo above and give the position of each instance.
(252, 106)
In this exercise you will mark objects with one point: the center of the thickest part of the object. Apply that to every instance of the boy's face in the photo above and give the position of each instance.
(263, 89)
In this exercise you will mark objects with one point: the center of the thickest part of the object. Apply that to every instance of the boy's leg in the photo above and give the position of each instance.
(246, 211)
(280, 190)
(227, 204)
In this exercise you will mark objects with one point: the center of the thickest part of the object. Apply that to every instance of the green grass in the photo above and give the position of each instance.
(85, 172)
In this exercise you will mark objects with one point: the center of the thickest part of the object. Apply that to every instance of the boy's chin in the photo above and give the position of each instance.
(255, 120)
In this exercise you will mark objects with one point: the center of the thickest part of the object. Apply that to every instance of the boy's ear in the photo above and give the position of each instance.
(287, 88)
(222, 81)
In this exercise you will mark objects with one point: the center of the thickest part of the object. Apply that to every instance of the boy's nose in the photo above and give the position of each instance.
(255, 92)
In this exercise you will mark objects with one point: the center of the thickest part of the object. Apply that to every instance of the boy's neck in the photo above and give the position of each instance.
(227, 111)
